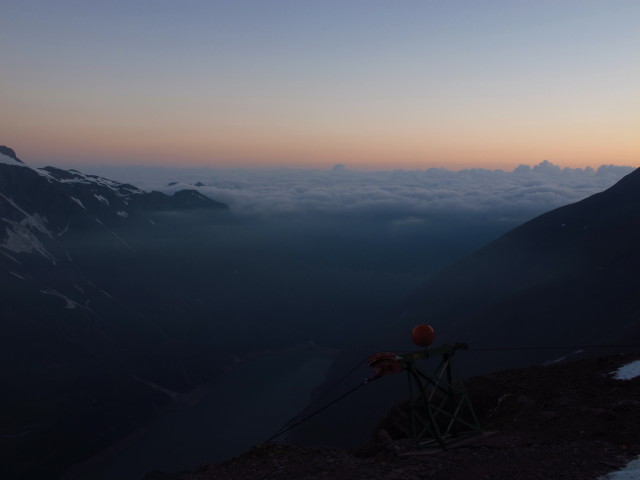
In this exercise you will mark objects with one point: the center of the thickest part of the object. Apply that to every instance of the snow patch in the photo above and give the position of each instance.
(65, 229)
(77, 200)
(106, 294)
(21, 239)
(10, 257)
(102, 199)
(20, 236)
(173, 395)
(121, 190)
(43, 173)
(121, 240)
(118, 237)
(630, 472)
(17, 275)
(71, 305)
(123, 214)
(36, 220)
(7, 160)
(628, 371)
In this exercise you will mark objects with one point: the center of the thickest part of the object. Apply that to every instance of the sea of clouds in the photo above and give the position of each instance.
(403, 195)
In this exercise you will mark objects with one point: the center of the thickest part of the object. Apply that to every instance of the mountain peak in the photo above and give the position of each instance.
(11, 154)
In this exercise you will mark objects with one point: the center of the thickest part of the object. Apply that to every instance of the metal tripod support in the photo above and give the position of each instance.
(441, 412)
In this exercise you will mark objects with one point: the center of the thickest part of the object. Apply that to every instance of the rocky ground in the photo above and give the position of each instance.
(563, 421)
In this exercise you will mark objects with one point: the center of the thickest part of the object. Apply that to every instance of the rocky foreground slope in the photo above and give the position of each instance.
(562, 421)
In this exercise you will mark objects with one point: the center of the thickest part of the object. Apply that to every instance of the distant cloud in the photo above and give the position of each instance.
(405, 197)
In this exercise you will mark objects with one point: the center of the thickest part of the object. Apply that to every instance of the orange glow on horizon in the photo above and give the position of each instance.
(170, 154)
(370, 146)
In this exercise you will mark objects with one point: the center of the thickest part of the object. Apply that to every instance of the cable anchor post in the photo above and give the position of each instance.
(440, 407)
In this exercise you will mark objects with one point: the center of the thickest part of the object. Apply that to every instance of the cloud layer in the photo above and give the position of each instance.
(401, 195)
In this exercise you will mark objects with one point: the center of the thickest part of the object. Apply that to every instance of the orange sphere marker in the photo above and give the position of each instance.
(423, 335)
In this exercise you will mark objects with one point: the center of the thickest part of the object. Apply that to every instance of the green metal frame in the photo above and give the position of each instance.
(441, 412)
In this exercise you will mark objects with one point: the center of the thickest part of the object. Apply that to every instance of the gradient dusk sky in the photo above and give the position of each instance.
(372, 84)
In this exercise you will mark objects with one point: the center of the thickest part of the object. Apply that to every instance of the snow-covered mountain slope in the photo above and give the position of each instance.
(38, 206)
(90, 309)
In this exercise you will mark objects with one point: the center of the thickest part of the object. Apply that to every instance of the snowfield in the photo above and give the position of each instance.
(628, 371)
(630, 472)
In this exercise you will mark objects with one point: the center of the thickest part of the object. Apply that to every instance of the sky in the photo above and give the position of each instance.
(309, 84)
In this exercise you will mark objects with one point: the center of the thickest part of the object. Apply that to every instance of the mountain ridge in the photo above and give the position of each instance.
(583, 247)
(89, 349)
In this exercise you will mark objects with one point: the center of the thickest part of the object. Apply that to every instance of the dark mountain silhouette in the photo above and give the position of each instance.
(566, 277)
(90, 293)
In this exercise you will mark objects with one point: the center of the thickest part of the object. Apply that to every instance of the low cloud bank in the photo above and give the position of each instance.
(406, 196)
